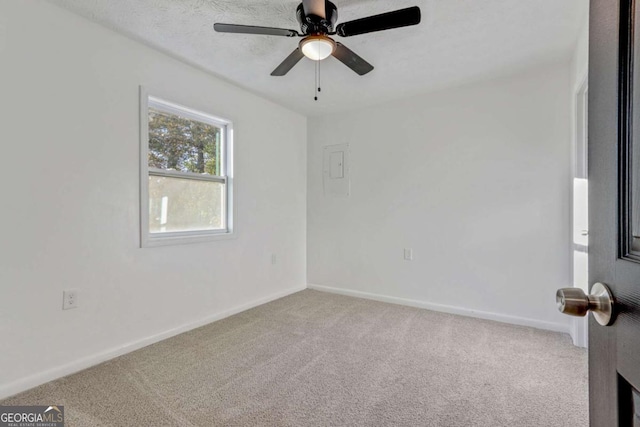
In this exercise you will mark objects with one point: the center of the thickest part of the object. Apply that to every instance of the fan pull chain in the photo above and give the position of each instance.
(319, 75)
(317, 82)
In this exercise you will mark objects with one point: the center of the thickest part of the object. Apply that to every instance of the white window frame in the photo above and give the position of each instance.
(148, 239)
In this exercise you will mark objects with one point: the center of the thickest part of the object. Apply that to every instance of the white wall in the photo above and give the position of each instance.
(476, 180)
(70, 210)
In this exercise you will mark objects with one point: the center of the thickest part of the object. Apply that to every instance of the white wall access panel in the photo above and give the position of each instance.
(336, 170)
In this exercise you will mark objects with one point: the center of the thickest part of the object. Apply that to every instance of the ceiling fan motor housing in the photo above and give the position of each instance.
(313, 24)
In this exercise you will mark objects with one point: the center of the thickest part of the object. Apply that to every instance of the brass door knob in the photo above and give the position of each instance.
(574, 302)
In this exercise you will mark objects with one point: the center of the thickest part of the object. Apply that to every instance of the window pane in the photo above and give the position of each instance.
(181, 144)
(177, 204)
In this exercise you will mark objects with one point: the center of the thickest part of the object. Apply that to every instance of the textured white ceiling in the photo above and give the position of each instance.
(458, 41)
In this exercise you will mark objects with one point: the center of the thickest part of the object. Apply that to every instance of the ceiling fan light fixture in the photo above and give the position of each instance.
(317, 47)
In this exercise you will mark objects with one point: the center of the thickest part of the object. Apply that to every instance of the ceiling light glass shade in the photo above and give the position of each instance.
(317, 48)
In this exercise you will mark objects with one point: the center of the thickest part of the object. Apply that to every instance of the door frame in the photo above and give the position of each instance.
(579, 329)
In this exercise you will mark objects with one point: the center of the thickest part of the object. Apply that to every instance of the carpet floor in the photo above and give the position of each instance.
(317, 359)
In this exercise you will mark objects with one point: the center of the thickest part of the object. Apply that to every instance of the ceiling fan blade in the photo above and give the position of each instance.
(384, 21)
(288, 63)
(315, 7)
(351, 59)
(250, 29)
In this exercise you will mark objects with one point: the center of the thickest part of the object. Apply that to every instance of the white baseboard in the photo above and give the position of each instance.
(7, 390)
(514, 320)
(580, 331)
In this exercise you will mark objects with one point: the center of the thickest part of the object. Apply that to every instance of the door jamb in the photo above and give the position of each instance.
(579, 329)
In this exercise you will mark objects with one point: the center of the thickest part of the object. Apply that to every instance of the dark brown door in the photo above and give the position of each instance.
(614, 209)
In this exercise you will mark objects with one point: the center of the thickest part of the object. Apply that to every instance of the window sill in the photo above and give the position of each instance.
(152, 241)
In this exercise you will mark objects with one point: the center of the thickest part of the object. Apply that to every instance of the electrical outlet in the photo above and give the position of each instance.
(274, 259)
(69, 299)
(408, 254)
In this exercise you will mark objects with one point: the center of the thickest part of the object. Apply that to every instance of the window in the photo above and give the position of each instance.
(186, 174)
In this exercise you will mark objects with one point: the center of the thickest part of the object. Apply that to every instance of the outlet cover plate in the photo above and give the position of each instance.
(408, 254)
(69, 299)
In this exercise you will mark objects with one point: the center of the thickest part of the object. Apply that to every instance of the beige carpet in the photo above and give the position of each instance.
(316, 359)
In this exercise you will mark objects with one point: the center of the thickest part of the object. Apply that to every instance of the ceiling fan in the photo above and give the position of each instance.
(317, 19)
